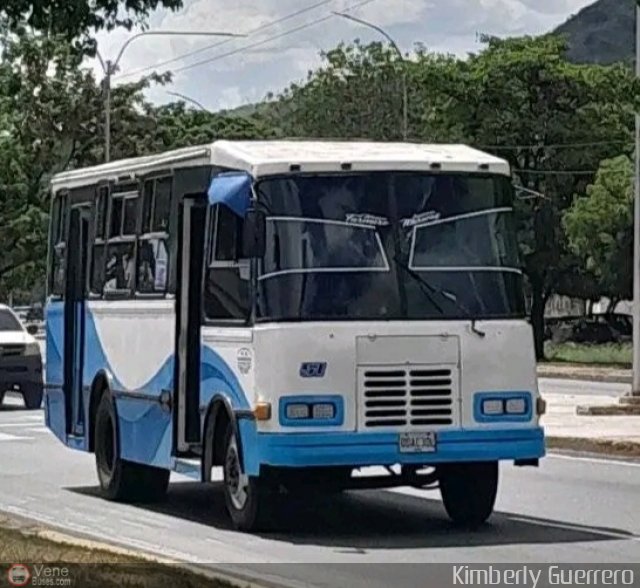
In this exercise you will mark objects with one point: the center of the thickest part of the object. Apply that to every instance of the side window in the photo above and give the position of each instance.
(58, 237)
(98, 254)
(226, 295)
(119, 252)
(153, 255)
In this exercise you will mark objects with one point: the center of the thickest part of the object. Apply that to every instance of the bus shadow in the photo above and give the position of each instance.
(354, 522)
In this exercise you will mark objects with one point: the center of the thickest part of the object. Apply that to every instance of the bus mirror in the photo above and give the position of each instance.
(254, 234)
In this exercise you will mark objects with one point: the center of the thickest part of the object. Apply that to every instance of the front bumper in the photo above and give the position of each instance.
(370, 449)
(22, 373)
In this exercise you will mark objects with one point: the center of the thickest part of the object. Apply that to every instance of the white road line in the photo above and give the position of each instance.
(616, 462)
(7, 437)
(18, 425)
(570, 527)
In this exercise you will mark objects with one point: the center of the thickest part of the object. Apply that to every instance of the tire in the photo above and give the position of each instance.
(246, 497)
(121, 480)
(469, 491)
(32, 398)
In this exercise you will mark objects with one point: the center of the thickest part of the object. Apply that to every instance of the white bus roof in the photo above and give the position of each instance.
(265, 158)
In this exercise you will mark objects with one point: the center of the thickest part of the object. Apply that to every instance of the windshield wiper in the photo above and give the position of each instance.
(429, 290)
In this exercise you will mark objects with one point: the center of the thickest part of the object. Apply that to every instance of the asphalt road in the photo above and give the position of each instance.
(568, 510)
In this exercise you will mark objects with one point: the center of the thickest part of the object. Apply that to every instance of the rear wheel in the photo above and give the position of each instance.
(119, 479)
(469, 491)
(32, 398)
(246, 497)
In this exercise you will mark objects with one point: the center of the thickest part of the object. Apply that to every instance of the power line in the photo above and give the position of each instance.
(220, 43)
(267, 40)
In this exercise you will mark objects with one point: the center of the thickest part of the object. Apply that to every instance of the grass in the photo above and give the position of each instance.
(87, 566)
(607, 354)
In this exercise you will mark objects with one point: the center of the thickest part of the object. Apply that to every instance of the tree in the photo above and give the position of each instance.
(178, 126)
(357, 93)
(599, 226)
(75, 19)
(522, 92)
(51, 119)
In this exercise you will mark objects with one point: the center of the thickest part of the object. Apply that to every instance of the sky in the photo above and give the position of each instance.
(236, 73)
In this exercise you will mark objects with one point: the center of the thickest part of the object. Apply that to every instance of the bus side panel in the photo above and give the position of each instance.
(133, 341)
(55, 413)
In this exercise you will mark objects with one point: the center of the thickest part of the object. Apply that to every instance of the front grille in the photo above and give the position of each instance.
(9, 350)
(407, 397)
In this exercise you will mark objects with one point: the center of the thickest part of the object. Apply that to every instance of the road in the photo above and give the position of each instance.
(568, 510)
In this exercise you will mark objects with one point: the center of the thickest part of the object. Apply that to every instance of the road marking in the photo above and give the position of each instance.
(600, 460)
(7, 437)
(580, 528)
(18, 425)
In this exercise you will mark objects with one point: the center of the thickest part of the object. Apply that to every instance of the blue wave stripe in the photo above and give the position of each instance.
(145, 429)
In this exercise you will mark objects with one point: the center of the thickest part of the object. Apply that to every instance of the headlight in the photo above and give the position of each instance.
(516, 406)
(493, 407)
(323, 411)
(297, 411)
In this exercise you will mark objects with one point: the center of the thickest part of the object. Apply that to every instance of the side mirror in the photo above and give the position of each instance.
(32, 329)
(254, 234)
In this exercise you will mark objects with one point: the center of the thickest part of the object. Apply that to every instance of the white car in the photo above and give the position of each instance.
(20, 360)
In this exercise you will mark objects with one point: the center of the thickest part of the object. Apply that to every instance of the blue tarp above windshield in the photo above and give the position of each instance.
(233, 189)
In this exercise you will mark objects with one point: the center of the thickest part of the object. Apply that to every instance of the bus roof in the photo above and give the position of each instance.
(265, 158)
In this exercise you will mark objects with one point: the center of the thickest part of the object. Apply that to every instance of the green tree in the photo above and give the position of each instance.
(73, 20)
(357, 93)
(50, 120)
(177, 126)
(565, 118)
(599, 226)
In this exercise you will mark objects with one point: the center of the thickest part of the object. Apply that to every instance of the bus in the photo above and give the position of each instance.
(291, 316)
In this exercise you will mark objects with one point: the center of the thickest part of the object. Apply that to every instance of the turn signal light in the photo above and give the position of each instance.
(262, 411)
(541, 406)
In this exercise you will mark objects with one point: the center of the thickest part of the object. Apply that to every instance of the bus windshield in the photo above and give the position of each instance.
(389, 246)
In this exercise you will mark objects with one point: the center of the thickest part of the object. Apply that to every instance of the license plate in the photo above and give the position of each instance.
(417, 442)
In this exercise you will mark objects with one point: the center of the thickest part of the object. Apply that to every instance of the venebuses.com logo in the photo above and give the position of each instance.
(18, 575)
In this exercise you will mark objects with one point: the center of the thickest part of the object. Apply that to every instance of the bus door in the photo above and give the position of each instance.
(74, 316)
(186, 393)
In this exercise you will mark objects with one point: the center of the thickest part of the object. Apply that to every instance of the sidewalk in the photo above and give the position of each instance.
(584, 372)
(614, 435)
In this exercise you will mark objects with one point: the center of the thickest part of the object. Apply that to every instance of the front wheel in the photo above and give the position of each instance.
(469, 491)
(123, 480)
(246, 497)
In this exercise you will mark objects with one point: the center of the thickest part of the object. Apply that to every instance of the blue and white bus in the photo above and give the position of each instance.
(292, 312)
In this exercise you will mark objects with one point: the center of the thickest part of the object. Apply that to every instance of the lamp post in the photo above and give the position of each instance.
(396, 48)
(635, 391)
(111, 67)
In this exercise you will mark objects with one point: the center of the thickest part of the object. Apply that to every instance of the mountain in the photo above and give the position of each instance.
(602, 33)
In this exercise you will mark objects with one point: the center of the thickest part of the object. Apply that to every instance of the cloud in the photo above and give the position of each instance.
(248, 74)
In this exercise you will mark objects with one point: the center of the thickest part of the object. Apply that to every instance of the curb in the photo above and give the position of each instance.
(608, 447)
(603, 378)
(611, 410)
(35, 528)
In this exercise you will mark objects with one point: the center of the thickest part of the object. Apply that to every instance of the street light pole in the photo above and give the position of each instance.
(636, 234)
(111, 67)
(396, 48)
(189, 99)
